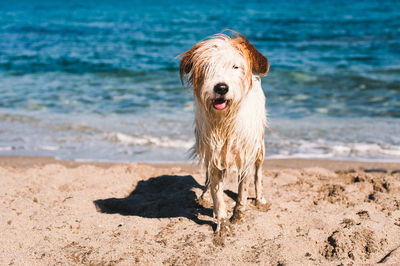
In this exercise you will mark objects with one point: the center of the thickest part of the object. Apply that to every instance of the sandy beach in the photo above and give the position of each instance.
(321, 212)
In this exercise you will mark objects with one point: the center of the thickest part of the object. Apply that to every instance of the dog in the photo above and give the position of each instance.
(230, 115)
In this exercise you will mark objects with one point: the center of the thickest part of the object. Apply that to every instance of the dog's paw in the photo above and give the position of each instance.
(223, 230)
(238, 216)
(223, 226)
(262, 205)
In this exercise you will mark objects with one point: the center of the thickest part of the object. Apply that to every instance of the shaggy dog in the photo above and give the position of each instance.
(230, 115)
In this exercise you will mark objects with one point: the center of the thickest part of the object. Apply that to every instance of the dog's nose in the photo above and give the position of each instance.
(221, 88)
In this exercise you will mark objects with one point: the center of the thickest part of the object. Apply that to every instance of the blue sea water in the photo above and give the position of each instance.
(98, 80)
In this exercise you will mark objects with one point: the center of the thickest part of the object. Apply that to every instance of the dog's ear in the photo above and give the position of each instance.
(186, 64)
(259, 62)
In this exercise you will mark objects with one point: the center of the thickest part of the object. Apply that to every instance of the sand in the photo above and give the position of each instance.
(321, 212)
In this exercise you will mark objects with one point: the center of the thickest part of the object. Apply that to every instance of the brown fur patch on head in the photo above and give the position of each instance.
(187, 67)
(259, 63)
(186, 64)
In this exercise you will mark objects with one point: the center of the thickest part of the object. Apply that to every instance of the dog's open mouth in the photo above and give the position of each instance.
(220, 103)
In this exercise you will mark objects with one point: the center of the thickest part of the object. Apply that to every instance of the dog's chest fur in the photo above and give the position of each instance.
(236, 139)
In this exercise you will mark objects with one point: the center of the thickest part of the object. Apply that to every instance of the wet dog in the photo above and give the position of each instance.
(230, 116)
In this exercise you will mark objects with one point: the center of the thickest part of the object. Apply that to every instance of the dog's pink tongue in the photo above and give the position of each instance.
(220, 106)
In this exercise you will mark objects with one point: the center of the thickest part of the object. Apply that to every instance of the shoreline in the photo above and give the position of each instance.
(30, 161)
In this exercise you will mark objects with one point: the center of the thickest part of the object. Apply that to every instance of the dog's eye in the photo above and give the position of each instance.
(235, 67)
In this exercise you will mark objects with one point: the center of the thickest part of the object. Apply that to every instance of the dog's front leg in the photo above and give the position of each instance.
(217, 190)
(260, 203)
(241, 200)
(258, 183)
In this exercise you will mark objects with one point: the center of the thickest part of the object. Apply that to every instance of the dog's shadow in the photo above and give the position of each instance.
(165, 196)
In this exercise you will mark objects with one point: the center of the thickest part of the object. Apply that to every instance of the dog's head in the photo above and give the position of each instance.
(221, 69)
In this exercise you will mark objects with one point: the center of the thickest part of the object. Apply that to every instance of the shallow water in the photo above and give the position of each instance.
(99, 81)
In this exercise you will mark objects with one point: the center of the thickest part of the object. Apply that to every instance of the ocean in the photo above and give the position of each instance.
(98, 80)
